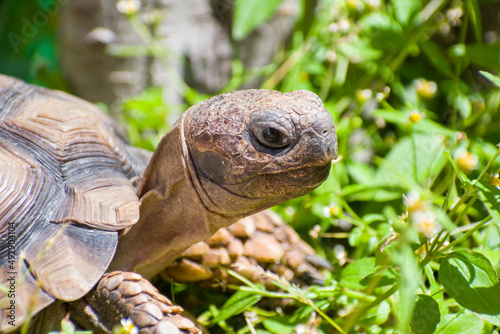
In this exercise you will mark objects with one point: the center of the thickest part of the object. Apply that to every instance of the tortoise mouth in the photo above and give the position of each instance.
(285, 185)
(305, 177)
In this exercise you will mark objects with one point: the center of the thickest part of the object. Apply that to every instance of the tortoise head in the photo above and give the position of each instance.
(253, 149)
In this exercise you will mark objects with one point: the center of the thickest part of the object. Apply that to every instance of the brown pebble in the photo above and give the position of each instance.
(188, 271)
(197, 250)
(220, 238)
(235, 248)
(264, 248)
(294, 258)
(243, 228)
(215, 257)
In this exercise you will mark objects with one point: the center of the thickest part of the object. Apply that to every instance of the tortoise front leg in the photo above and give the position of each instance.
(126, 295)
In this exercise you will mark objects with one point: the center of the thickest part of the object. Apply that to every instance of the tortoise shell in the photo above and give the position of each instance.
(65, 191)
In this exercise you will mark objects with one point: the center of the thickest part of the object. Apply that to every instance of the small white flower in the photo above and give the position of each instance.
(128, 326)
(414, 202)
(425, 222)
(425, 88)
(466, 161)
(128, 7)
(344, 25)
(494, 180)
(363, 94)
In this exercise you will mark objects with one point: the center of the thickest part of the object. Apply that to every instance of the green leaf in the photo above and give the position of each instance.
(279, 325)
(360, 172)
(238, 303)
(375, 22)
(472, 9)
(409, 280)
(359, 50)
(410, 160)
(490, 196)
(463, 104)
(426, 315)
(404, 10)
(482, 55)
(471, 280)
(462, 323)
(436, 57)
(67, 327)
(357, 271)
(249, 14)
(491, 77)
(379, 314)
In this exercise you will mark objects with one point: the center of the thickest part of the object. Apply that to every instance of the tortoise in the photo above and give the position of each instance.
(84, 214)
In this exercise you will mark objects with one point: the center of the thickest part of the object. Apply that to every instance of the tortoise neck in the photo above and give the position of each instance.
(172, 214)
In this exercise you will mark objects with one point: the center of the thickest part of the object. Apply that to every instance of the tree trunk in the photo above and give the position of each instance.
(195, 36)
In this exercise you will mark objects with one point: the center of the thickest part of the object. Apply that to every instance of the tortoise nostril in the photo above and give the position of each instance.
(325, 132)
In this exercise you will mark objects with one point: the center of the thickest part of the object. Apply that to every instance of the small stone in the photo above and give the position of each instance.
(305, 248)
(197, 251)
(215, 257)
(244, 267)
(188, 271)
(273, 217)
(243, 228)
(221, 237)
(235, 248)
(291, 236)
(294, 258)
(262, 223)
(264, 248)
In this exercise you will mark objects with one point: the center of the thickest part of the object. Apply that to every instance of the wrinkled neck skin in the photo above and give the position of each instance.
(176, 210)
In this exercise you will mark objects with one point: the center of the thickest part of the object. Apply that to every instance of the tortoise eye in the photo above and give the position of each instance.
(272, 138)
(271, 135)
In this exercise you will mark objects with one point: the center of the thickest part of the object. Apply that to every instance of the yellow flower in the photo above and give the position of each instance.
(466, 161)
(494, 180)
(415, 116)
(424, 88)
(414, 202)
(363, 94)
(128, 7)
(425, 222)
